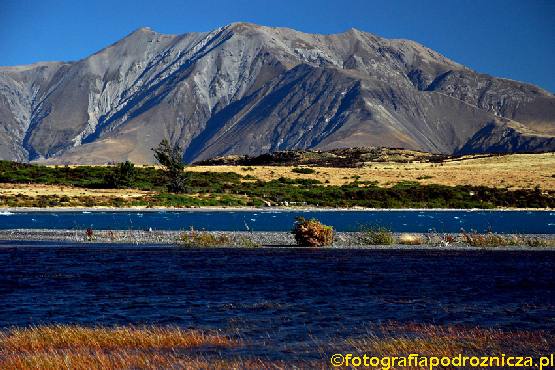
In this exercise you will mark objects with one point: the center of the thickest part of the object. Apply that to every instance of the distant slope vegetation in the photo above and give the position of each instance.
(246, 89)
(338, 158)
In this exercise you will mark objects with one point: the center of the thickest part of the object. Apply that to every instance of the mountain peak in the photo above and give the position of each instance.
(144, 29)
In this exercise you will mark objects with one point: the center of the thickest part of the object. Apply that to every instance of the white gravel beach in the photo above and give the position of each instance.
(260, 239)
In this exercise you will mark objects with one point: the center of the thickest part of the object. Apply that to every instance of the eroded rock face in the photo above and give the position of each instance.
(245, 89)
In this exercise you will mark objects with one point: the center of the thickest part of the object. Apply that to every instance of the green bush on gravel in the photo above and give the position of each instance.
(312, 233)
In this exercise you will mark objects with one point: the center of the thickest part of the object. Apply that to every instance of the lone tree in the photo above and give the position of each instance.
(171, 157)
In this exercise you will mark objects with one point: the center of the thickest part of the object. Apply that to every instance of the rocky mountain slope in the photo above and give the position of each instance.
(247, 89)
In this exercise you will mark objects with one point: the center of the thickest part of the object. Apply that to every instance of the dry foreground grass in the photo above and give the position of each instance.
(516, 171)
(130, 347)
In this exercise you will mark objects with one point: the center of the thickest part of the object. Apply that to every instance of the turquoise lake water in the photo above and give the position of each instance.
(530, 222)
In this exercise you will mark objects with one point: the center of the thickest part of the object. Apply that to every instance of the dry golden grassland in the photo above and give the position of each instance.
(516, 171)
(34, 190)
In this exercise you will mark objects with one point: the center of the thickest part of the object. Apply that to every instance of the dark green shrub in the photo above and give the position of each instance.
(304, 170)
(122, 175)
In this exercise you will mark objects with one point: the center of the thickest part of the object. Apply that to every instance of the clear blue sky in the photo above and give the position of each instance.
(505, 38)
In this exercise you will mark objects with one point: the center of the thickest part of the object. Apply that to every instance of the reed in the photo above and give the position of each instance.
(47, 337)
(150, 347)
(94, 359)
(489, 240)
(493, 240)
(120, 347)
(451, 340)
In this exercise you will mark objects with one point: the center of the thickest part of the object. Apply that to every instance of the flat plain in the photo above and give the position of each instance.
(511, 171)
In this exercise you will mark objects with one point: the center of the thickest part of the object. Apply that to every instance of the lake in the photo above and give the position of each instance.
(529, 222)
(288, 303)
(285, 301)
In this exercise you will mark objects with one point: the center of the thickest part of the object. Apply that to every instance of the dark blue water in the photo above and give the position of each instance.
(283, 301)
(534, 222)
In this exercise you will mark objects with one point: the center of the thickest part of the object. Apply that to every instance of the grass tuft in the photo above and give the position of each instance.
(203, 239)
(374, 234)
(410, 239)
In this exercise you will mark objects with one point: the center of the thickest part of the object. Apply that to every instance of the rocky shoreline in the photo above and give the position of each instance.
(244, 239)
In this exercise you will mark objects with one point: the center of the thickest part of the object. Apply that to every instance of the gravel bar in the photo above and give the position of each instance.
(258, 238)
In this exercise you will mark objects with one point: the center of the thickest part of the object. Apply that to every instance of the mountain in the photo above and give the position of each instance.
(247, 89)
